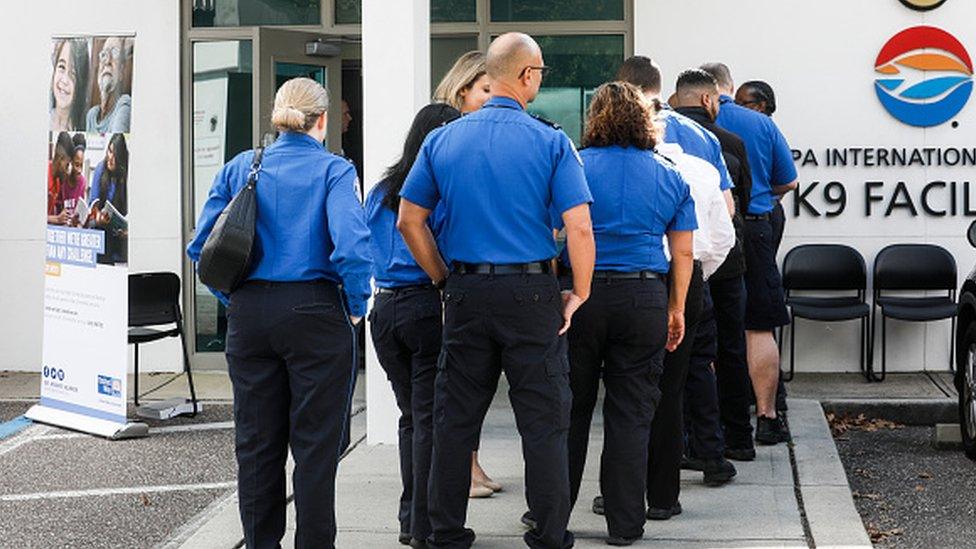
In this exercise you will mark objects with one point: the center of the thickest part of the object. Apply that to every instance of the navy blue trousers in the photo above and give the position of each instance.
(493, 324)
(406, 330)
(705, 439)
(290, 355)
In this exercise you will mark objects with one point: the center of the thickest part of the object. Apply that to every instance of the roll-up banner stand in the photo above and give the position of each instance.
(85, 355)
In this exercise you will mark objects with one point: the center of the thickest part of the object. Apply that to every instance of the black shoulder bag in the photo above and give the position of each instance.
(226, 256)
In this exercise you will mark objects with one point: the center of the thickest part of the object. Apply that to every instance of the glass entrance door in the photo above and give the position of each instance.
(234, 82)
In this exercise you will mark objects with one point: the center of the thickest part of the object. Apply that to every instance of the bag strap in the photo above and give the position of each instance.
(252, 176)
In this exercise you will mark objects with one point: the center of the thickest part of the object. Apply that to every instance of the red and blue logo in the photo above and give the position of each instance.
(926, 76)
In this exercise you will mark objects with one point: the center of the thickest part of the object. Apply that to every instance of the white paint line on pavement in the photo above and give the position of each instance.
(219, 425)
(120, 491)
(27, 435)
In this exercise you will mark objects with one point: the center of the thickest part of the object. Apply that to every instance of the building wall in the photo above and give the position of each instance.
(154, 145)
(819, 57)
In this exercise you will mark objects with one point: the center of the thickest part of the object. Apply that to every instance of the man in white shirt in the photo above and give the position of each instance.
(713, 240)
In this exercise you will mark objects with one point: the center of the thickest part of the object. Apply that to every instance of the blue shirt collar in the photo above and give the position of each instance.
(298, 137)
(723, 99)
(502, 101)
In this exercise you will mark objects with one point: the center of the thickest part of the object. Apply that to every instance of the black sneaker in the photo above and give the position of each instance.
(418, 544)
(620, 541)
(598, 505)
(692, 464)
(664, 514)
(529, 520)
(771, 431)
(405, 538)
(740, 454)
(718, 471)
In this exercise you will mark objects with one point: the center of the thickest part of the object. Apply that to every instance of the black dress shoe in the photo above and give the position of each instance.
(529, 520)
(418, 544)
(740, 454)
(598, 505)
(718, 471)
(405, 538)
(771, 431)
(621, 541)
(664, 514)
(691, 464)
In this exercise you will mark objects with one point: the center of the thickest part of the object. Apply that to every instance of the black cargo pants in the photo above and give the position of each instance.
(495, 323)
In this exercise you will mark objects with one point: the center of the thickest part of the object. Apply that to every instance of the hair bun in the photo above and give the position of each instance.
(288, 118)
(299, 103)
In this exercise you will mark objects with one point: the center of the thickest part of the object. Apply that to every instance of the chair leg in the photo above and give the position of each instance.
(884, 348)
(872, 328)
(779, 340)
(792, 347)
(864, 350)
(135, 377)
(186, 367)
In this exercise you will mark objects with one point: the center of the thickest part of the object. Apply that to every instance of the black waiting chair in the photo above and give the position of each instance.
(154, 300)
(918, 268)
(831, 268)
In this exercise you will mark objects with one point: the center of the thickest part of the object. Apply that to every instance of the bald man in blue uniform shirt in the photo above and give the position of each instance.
(500, 175)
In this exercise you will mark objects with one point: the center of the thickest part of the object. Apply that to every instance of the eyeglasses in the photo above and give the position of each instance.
(543, 70)
(114, 52)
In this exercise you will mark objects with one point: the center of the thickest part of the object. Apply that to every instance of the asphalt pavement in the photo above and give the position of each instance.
(64, 489)
(909, 493)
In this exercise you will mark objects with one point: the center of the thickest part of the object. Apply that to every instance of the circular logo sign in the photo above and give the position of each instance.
(923, 5)
(925, 76)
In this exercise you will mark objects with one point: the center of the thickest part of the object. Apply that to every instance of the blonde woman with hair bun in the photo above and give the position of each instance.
(291, 325)
(466, 87)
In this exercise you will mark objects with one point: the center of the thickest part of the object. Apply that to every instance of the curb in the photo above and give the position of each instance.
(827, 502)
(907, 411)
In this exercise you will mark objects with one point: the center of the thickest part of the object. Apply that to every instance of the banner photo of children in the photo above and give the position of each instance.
(87, 188)
(91, 84)
(87, 178)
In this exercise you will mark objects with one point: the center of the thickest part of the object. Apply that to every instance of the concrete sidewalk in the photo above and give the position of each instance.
(791, 496)
(767, 505)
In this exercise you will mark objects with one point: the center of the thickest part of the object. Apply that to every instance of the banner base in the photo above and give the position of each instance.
(86, 424)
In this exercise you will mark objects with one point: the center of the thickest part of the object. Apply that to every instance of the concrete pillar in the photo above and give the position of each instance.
(396, 84)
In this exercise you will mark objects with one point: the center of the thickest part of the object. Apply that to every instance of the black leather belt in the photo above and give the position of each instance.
(404, 289)
(761, 217)
(607, 276)
(536, 267)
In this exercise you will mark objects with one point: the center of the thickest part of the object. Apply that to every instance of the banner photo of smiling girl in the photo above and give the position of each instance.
(85, 351)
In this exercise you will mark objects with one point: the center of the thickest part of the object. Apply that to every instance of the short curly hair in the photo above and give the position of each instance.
(619, 115)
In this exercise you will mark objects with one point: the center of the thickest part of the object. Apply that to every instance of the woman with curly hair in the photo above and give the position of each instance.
(632, 317)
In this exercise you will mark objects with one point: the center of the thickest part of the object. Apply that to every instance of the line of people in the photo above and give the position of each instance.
(646, 260)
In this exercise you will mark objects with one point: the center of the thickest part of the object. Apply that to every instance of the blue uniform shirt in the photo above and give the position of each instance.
(770, 158)
(695, 140)
(393, 264)
(499, 174)
(310, 223)
(638, 196)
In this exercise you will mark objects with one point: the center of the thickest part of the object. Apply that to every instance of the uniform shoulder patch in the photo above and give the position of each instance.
(546, 121)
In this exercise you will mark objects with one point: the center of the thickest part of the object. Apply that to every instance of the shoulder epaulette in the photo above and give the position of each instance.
(665, 158)
(546, 121)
